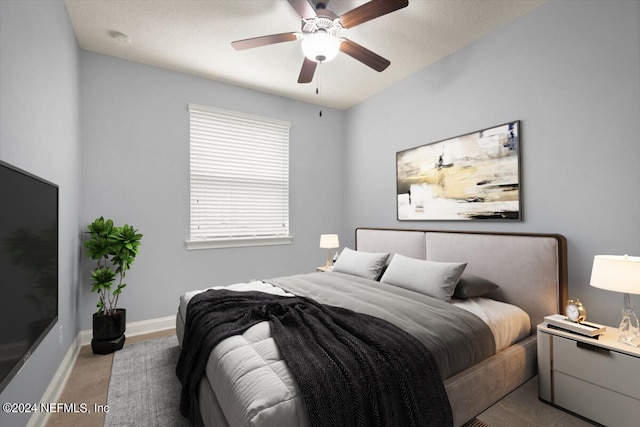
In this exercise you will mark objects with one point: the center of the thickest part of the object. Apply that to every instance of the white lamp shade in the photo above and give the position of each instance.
(329, 241)
(618, 273)
(320, 46)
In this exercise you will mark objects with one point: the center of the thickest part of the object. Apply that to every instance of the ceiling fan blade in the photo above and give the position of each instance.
(303, 8)
(371, 10)
(307, 71)
(263, 41)
(364, 55)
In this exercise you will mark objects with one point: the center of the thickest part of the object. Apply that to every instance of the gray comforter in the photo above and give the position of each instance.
(261, 391)
(352, 369)
(456, 338)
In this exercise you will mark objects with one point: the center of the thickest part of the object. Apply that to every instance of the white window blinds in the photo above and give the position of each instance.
(239, 169)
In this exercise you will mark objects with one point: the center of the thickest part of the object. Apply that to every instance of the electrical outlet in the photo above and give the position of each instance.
(60, 334)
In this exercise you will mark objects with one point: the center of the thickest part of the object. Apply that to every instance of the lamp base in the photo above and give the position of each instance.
(329, 259)
(629, 329)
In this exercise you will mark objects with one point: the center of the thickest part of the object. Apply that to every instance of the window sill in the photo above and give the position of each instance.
(193, 245)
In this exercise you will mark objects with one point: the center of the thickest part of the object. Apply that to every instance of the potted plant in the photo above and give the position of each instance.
(114, 250)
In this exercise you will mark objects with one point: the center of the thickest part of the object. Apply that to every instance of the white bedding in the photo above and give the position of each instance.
(508, 323)
(236, 386)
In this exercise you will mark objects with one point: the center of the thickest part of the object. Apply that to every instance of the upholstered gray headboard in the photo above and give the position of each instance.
(531, 269)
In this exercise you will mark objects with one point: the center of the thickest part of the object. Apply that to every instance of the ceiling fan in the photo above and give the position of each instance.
(320, 34)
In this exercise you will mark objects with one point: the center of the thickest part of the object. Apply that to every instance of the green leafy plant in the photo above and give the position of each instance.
(114, 248)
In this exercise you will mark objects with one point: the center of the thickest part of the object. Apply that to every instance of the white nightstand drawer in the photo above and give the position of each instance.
(596, 403)
(598, 379)
(597, 365)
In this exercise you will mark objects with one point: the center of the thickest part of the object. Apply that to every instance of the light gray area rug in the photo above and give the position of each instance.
(144, 389)
(476, 423)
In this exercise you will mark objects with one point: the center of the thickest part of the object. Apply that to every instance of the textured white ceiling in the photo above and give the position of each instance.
(194, 37)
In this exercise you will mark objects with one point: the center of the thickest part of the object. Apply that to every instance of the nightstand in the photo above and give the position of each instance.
(596, 378)
(324, 269)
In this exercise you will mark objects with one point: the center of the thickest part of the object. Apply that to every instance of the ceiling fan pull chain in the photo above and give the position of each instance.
(318, 78)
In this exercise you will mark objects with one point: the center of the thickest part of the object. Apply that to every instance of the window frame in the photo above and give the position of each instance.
(224, 120)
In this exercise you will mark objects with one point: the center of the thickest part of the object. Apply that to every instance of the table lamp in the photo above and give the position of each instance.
(328, 242)
(620, 274)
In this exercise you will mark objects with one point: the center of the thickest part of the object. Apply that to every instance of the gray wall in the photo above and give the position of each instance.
(571, 72)
(39, 132)
(135, 169)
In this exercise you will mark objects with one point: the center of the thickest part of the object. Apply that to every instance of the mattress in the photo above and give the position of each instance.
(508, 323)
(240, 388)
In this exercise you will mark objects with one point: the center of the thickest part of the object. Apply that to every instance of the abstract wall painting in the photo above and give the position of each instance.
(470, 177)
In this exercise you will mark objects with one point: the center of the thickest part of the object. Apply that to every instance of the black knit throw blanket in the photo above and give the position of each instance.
(352, 369)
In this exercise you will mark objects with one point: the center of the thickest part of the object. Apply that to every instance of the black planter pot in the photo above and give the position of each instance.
(108, 331)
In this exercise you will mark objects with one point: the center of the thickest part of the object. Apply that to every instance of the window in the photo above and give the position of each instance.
(239, 178)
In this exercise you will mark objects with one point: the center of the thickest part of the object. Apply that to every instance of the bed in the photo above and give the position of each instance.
(246, 382)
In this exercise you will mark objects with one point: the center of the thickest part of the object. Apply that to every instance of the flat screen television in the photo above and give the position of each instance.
(28, 266)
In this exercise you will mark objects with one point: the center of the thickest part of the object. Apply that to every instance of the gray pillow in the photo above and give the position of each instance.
(364, 264)
(435, 279)
(470, 286)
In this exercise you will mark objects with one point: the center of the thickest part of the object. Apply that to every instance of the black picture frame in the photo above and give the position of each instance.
(475, 176)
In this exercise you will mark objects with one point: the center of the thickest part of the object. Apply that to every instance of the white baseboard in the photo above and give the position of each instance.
(137, 328)
(54, 390)
(56, 386)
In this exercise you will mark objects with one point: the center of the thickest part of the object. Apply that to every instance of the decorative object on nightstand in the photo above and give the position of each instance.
(328, 242)
(620, 274)
(560, 322)
(575, 311)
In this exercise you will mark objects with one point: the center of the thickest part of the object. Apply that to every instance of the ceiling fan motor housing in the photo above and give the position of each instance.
(328, 24)
(321, 30)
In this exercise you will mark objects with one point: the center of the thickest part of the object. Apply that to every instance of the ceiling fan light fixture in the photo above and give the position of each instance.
(320, 30)
(320, 46)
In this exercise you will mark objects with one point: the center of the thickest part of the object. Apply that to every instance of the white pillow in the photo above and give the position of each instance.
(435, 279)
(364, 264)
